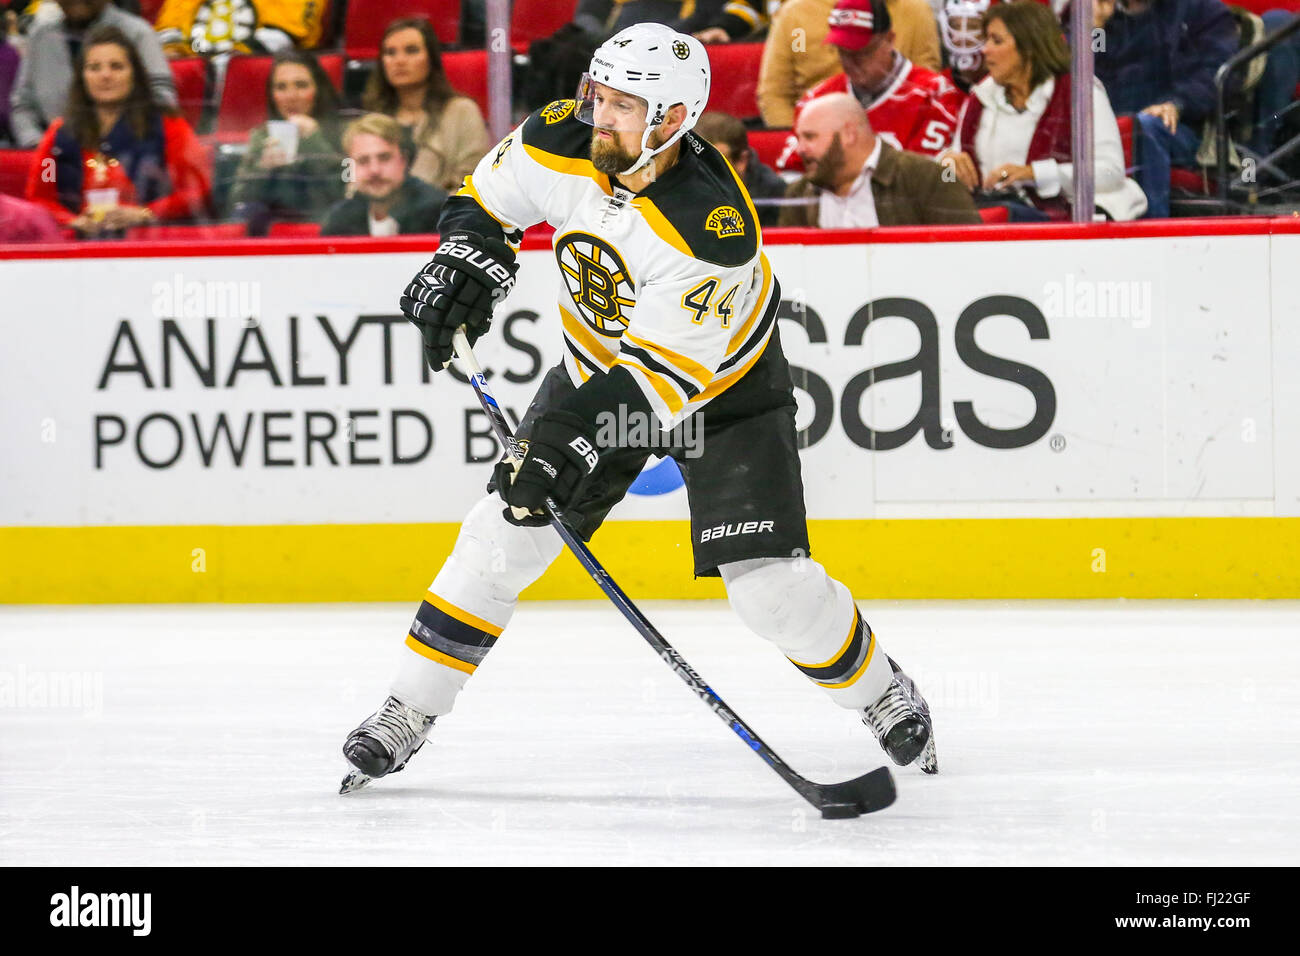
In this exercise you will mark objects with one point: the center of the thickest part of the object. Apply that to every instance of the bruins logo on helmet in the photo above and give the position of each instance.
(557, 111)
(597, 280)
(726, 221)
(681, 50)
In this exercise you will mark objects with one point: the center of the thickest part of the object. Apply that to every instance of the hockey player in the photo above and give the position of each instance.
(668, 307)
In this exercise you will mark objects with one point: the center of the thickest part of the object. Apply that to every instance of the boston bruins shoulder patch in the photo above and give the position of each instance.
(554, 112)
(726, 221)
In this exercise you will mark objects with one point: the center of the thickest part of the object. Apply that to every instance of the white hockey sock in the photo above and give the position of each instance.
(811, 617)
(469, 604)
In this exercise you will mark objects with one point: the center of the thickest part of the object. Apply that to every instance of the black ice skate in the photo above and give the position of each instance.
(383, 743)
(901, 722)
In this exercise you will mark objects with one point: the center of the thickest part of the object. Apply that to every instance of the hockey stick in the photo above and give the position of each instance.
(870, 792)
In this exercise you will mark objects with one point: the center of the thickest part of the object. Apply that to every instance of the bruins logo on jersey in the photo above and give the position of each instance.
(726, 221)
(557, 111)
(221, 26)
(597, 280)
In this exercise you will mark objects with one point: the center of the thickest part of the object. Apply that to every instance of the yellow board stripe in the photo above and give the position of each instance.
(687, 366)
(947, 558)
(661, 226)
(853, 626)
(424, 650)
(460, 614)
(871, 649)
(664, 387)
(570, 166)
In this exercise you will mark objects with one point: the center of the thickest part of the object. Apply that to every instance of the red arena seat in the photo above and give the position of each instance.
(217, 231)
(15, 168)
(467, 72)
(364, 25)
(1125, 124)
(191, 78)
(243, 98)
(294, 230)
(735, 78)
(533, 19)
(994, 214)
(772, 145)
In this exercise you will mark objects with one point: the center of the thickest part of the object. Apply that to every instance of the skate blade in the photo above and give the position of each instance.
(929, 759)
(355, 780)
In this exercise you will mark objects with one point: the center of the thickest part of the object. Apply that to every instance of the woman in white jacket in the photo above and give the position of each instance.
(1013, 134)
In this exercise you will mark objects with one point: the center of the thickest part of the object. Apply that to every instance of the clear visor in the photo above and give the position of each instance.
(606, 108)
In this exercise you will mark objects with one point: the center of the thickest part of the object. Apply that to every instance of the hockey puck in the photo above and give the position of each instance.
(840, 811)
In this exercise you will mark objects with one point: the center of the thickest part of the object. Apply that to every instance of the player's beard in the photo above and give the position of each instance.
(826, 169)
(609, 156)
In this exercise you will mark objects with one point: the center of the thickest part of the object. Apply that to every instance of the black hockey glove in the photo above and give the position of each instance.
(466, 278)
(564, 454)
(561, 456)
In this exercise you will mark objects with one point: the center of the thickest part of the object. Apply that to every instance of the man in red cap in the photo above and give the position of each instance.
(907, 105)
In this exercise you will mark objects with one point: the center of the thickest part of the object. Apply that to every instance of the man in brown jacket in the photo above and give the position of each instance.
(855, 180)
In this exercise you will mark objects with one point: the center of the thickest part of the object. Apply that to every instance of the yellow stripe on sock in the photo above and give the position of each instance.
(853, 626)
(424, 650)
(461, 615)
(871, 649)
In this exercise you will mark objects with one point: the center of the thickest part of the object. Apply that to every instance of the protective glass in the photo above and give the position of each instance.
(607, 108)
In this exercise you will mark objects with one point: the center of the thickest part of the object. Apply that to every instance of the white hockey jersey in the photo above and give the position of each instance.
(671, 283)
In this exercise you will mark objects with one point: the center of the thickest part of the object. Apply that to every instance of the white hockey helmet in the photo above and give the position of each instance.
(964, 40)
(657, 64)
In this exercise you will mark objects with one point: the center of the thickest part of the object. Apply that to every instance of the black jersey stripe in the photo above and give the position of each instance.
(759, 335)
(650, 362)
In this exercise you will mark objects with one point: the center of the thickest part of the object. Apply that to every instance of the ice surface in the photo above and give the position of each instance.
(1095, 733)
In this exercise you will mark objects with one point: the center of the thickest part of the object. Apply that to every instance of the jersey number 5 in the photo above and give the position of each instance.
(700, 300)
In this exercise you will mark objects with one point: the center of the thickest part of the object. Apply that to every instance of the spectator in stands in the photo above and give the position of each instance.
(8, 73)
(738, 20)
(601, 19)
(727, 134)
(410, 85)
(22, 221)
(796, 56)
(853, 179)
(556, 63)
(46, 74)
(1013, 141)
(214, 27)
(301, 178)
(1276, 89)
(961, 28)
(389, 200)
(912, 108)
(1159, 61)
(117, 159)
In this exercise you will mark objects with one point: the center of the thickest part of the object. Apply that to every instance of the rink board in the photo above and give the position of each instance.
(1073, 416)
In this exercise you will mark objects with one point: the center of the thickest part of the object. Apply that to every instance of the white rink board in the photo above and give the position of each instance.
(1161, 375)
(1286, 371)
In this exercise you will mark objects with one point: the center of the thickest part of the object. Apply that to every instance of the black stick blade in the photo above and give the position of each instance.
(866, 794)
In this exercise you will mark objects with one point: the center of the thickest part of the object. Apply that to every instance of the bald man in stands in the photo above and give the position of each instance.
(853, 179)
